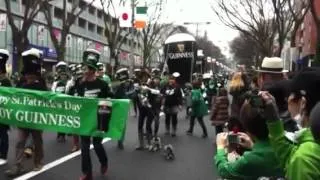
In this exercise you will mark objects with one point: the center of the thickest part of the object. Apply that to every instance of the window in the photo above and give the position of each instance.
(91, 27)
(100, 14)
(92, 10)
(99, 30)
(23, 2)
(82, 23)
(58, 13)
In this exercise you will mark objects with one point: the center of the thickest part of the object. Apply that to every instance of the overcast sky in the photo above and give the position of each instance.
(180, 11)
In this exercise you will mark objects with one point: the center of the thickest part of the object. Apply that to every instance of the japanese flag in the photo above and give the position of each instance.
(125, 16)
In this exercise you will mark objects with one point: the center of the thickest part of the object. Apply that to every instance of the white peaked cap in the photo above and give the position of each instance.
(121, 70)
(93, 51)
(176, 74)
(155, 69)
(206, 76)
(33, 52)
(61, 63)
(137, 70)
(4, 51)
(99, 63)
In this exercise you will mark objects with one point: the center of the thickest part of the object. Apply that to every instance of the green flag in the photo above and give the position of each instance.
(49, 111)
(141, 10)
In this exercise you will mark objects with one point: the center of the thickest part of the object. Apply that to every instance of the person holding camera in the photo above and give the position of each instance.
(301, 158)
(260, 161)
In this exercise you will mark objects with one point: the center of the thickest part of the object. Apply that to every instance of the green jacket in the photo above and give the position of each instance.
(259, 162)
(199, 107)
(300, 160)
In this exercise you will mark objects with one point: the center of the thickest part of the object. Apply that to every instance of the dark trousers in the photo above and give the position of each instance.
(219, 129)
(23, 135)
(156, 120)
(85, 153)
(135, 105)
(145, 114)
(171, 119)
(61, 135)
(4, 142)
(200, 120)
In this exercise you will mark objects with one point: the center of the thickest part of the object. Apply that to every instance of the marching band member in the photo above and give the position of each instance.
(71, 90)
(4, 81)
(32, 80)
(92, 87)
(171, 105)
(59, 86)
(155, 101)
(101, 73)
(124, 90)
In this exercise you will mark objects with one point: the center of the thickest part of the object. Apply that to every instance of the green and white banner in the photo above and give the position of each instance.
(49, 111)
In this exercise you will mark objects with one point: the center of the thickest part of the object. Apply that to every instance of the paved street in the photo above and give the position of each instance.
(193, 158)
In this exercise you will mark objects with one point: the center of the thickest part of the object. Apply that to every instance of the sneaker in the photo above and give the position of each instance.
(189, 133)
(28, 152)
(104, 170)
(14, 171)
(86, 177)
(140, 148)
(3, 162)
(37, 167)
(75, 148)
(204, 136)
(173, 134)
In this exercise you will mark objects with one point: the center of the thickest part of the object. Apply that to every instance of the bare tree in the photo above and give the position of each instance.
(239, 48)
(155, 33)
(284, 22)
(316, 19)
(298, 12)
(252, 18)
(115, 34)
(20, 34)
(69, 16)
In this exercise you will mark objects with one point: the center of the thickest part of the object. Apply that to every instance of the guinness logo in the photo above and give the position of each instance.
(180, 47)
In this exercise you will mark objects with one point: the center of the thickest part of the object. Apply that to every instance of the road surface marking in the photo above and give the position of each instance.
(55, 163)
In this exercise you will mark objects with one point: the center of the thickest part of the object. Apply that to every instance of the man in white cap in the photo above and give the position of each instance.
(32, 80)
(4, 81)
(59, 86)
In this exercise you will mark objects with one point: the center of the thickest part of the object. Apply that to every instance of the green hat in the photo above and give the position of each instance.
(91, 58)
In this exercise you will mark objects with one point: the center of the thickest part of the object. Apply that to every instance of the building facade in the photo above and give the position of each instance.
(306, 37)
(86, 32)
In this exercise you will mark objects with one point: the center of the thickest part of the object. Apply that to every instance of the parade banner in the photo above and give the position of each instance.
(49, 111)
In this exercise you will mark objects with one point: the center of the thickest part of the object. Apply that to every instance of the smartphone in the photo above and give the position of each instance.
(233, 139)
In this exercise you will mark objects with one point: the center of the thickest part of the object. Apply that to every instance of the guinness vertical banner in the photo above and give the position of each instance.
(180, 53)
(49, 111)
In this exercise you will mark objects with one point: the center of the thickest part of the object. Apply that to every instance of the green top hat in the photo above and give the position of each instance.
(91, 58)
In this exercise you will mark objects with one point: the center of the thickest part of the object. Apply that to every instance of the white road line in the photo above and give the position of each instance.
(55, 163)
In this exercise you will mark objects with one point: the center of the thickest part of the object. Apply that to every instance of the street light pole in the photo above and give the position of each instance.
(197, 25)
